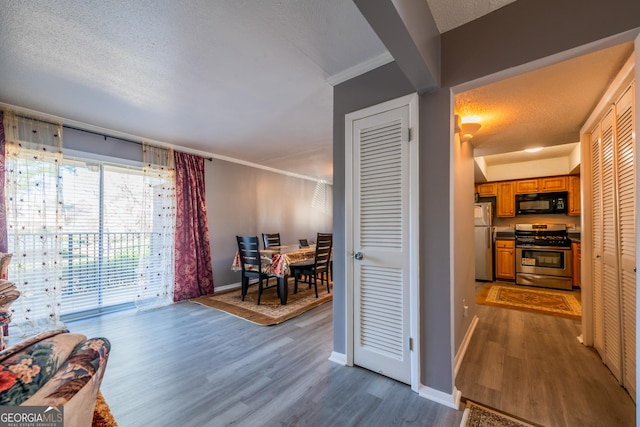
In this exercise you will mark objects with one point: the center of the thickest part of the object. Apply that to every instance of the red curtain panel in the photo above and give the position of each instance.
(193, 270)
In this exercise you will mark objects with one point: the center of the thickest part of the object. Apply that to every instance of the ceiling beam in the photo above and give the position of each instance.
(409, 32)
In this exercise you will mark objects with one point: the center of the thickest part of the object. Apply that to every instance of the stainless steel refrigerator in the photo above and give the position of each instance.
(483, 214)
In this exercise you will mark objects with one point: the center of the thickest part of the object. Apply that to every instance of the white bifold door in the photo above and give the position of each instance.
(613, 267)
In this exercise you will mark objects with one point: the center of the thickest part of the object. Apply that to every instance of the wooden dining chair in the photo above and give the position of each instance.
(330, 269)
(270, 239)
(319, 267)
(251, 264)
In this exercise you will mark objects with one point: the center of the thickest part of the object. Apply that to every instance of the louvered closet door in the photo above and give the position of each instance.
(610, 278)
(381, 235)
(625, 156)
(596, 233)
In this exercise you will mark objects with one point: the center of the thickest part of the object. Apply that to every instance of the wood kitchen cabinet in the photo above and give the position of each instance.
(542, 185)
(577, 256)
(487, 189)
(574, 196)
(526, 186)
(506, 199)
(554, 183)
(505, 259)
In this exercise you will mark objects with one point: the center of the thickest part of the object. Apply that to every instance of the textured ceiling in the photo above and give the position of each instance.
(246, 79)
(544, 107)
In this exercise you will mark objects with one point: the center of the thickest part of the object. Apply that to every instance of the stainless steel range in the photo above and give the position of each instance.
(543, 256)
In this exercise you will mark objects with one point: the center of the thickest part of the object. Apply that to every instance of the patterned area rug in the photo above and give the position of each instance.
(102, 414)
(270, 311)
(480, 416)
(547, 301)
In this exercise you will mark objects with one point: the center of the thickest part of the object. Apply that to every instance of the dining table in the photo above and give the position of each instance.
(277, 261)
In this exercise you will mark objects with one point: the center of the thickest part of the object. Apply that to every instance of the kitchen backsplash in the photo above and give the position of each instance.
(570, 221)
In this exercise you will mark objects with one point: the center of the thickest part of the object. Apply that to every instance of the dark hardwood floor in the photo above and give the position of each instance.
(533, 366)
(189, 365)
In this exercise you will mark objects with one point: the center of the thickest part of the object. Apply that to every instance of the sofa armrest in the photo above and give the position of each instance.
(76, 383)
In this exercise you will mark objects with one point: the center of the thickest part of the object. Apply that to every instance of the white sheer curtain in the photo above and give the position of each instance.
(156, 271)
(33, 192)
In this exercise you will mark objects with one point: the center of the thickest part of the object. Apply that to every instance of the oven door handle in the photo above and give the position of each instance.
(545, 248)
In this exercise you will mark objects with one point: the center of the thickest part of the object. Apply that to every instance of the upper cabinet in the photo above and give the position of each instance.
(574, 196)
(554, 183)
(525, 186)
(542, 185)
(506, 200)
(487, 189)
(505, 192)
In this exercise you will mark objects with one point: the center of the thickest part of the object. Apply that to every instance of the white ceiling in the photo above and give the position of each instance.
(450, 14)
(245, 79)
(542, 108)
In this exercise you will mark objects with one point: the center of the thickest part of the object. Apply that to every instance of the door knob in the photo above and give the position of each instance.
(358, 256)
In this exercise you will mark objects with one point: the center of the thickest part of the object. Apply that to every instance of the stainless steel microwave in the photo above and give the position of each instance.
(541, 203)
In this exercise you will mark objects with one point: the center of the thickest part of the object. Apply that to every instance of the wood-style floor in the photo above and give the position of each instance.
(533, 366)
(189, 365)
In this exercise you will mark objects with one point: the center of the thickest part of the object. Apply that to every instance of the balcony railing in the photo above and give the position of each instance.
(99, 270)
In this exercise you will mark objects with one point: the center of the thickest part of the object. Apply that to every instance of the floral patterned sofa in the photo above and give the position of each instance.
(52, 369)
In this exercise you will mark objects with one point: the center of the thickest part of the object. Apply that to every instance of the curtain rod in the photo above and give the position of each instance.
(114, 137)
(91, 132)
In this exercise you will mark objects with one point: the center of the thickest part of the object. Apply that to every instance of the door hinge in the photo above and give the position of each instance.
(410, 344)
(408, 134)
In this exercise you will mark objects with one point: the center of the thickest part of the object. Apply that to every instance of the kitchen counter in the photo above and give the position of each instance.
(504, 233)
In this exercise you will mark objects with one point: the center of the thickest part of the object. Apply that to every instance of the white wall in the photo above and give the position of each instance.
(531, 169)
(463, 239)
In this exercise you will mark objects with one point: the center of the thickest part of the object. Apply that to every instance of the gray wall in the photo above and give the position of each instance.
(525, 31)
(382, 84)
(243, 200)
(519, 33)
(435, 241)
(101, 147)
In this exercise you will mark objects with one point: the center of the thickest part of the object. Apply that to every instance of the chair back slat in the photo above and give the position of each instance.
(251, 262)
(324, 243)
(270, 239)
(249, 250)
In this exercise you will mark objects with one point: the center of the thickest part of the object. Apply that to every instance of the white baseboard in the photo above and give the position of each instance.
(450, 400)
(228, 287)
(339, 358)
(464, 345)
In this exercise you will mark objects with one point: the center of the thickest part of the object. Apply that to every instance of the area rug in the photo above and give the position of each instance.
(480, 416)
(546, 301)
(270, 311)
(102, 414)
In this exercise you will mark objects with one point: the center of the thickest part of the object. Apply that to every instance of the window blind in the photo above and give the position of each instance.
(101, 239)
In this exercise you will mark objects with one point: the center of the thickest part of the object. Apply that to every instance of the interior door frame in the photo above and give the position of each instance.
(412, 101)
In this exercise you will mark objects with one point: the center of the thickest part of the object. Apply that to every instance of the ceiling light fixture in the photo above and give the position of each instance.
(533, 150)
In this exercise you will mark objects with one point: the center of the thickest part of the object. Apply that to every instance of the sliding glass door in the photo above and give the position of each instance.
(100, 239)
